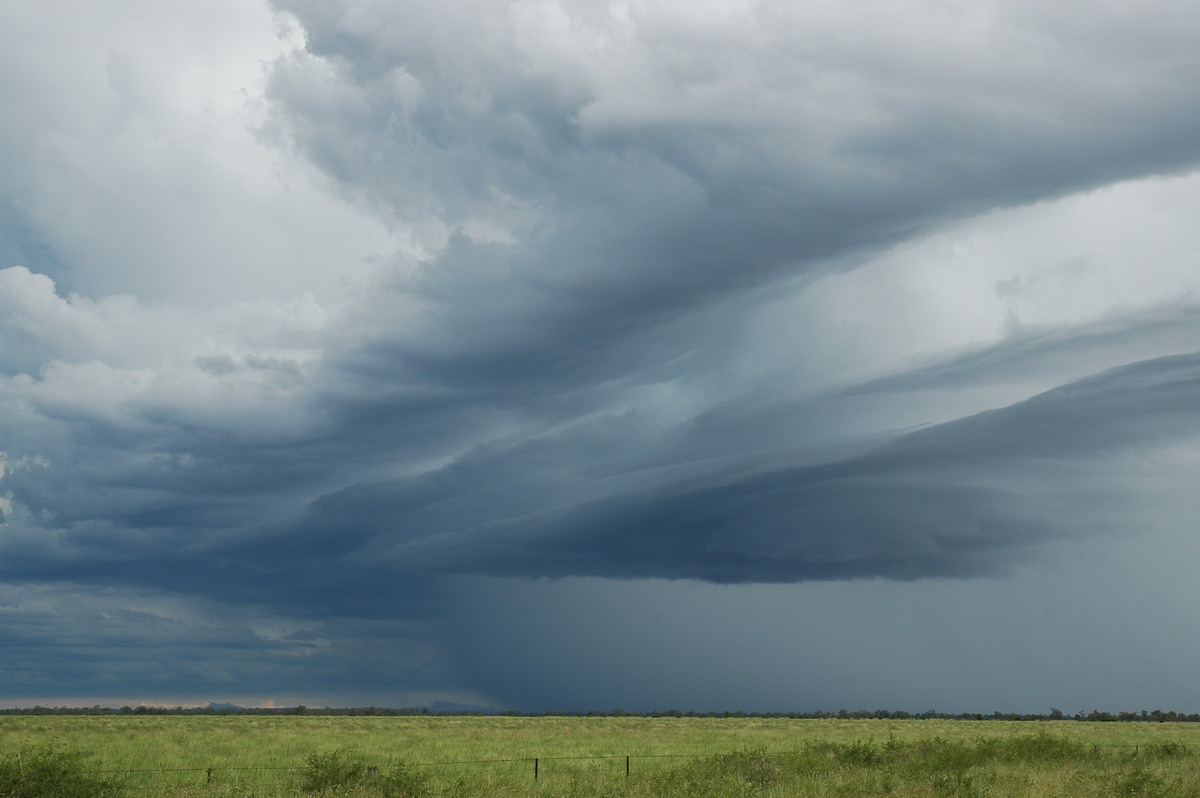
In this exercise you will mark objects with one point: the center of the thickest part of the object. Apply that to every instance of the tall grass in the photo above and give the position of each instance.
(178, 756)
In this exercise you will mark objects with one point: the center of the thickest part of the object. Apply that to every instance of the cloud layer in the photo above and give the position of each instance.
(394, 305)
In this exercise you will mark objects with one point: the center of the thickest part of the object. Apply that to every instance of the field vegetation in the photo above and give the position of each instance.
(178, 756)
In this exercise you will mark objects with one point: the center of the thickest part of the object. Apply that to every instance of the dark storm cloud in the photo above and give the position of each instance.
(966, 497)
(628, 216)
(580, 362)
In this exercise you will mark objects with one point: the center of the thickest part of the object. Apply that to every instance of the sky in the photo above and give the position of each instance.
(571, 355)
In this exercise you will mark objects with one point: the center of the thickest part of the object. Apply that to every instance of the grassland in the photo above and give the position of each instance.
(576, 756)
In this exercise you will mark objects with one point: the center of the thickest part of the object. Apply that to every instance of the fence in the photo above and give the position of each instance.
(536, 766)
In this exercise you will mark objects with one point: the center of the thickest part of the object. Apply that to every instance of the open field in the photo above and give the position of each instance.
(579, 756)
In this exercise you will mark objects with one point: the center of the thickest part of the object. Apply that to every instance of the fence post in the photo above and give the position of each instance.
(626, 767)
(208, 776)
(535, 768)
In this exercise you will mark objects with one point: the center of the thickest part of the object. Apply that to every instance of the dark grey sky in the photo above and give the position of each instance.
(565, 355)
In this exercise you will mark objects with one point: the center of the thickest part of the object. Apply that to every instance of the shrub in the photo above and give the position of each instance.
(860, 754)
(324, 771)
(1035, 748)
(51, 771)
(1138, 782)
(1168, 750)
(402, 780)
(345, 773)
(746, 772)
(750, 766)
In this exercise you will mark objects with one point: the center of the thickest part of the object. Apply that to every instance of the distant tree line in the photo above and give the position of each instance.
(1154, 716)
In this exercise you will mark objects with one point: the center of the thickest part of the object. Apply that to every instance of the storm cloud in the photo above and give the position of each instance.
(397, 310)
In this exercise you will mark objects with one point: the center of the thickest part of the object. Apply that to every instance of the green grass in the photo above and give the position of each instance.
(468, 756)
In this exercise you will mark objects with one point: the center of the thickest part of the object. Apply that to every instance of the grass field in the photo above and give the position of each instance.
(580, 756)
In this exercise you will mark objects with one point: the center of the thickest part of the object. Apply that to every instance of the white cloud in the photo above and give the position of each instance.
(1124, 254)
(132, 154)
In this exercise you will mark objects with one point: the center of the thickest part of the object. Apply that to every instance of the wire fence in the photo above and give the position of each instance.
(535, 767)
